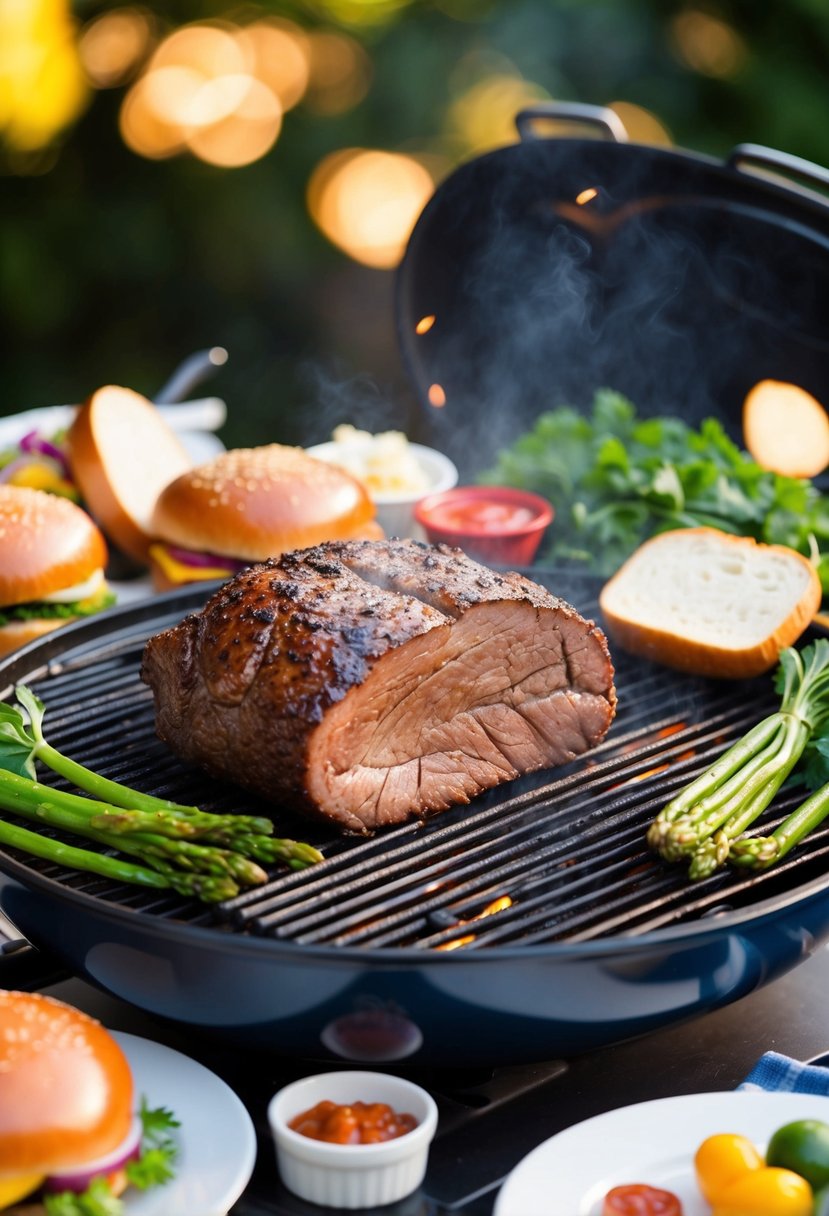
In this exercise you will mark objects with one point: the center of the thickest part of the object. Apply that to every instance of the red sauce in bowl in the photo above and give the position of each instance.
(481, 515)
(490, 523)
(352, 1123)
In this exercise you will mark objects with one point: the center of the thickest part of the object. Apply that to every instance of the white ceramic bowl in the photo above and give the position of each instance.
(352, 1175)
(395, 512)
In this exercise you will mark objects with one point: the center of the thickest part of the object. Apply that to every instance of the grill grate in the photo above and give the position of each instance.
(555, 857)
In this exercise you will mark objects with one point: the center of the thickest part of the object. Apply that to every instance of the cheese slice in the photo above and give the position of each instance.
(181, 572)
(17, 1186)
(91, 586)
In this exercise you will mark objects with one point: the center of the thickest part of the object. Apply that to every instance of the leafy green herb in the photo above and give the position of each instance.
(616, 479)
(703, 821)
(96, 1200)
(159, 1152)
(154, 1166)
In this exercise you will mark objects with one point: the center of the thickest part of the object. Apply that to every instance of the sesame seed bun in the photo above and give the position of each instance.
(47, 543)
(18, 633)
(255, 503)
(66, 1090)
(122, 453)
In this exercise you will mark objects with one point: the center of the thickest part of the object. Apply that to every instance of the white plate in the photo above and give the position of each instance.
(217, 1141)
(652, 1142)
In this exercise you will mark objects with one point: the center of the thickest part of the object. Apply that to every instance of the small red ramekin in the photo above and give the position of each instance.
(502, 544)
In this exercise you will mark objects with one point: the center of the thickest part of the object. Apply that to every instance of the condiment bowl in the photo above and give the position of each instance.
(395, 510)
(352, 1175)
(496, 524)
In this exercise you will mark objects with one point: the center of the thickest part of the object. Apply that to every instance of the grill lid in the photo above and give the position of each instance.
(553, 267)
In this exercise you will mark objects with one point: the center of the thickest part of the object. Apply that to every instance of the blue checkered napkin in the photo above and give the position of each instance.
(775, 1072)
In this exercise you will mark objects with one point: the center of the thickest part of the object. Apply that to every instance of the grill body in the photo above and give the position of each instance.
(530, 924)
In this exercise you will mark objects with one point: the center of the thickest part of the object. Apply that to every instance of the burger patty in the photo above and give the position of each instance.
(370, 681)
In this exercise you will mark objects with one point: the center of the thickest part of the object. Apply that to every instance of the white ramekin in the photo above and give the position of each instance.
(352, 1175)
(395, 512)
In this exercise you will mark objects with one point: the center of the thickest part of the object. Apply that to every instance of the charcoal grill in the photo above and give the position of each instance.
(533, 922)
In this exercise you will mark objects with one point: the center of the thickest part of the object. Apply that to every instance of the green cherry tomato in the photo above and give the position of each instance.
(821, 1202)
(802, 1146)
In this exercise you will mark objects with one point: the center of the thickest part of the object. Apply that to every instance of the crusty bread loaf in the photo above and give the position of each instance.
(706, 602)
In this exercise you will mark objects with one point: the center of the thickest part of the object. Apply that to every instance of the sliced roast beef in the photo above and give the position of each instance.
(371, 681)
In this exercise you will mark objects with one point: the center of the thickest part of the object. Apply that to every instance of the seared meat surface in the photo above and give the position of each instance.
(371, 681)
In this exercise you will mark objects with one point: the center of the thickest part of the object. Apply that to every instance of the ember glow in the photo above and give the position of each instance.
(424, 325)
(497, 905)
(586, 196)
(456, 942)
(437, 397)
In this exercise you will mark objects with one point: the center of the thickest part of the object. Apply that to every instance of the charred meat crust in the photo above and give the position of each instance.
(367, 682)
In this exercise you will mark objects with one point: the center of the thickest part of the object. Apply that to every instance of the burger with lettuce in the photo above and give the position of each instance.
(52, 558)
(74, 1135)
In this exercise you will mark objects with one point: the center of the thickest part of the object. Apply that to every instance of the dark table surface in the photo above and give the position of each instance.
(472, 1154)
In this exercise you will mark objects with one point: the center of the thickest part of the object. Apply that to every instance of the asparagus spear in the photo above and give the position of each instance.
(181, 847)
(703, 819)
(79, 859)
(758, 852)
(32, 746)
(29, 798)
(124, 810)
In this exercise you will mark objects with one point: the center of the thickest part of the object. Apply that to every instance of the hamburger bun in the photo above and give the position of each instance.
(66, 1089)
(250, 504)
(122, 454)
(48, 546)
(18, 633)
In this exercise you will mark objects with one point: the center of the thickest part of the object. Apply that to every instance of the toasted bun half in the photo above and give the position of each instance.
(47, 543)
(786, 429)
(66, 1090)
(18, 633)
(709, 603)
(255, 503)
(123, 453)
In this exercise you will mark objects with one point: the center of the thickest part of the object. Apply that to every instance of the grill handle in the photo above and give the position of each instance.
(25, 969)
(607, 121)
(779, 162)
(21, 966)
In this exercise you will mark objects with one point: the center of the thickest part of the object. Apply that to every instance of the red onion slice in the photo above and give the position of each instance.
(35, 443)
(78, 1179)
(8, 471)
(189, 557)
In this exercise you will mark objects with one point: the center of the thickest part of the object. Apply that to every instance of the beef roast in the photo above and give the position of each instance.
(370, 681)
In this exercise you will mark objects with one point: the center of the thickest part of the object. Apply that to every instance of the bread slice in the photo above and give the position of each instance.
(123, 453)
(710, 603)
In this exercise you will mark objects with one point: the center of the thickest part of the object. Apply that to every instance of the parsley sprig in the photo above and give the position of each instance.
(154, 1166)
(616, 479)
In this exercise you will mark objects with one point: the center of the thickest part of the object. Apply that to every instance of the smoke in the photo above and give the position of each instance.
(655, 286)
(356, 399)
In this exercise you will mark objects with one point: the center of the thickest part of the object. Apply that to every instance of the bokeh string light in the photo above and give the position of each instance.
(366, 202)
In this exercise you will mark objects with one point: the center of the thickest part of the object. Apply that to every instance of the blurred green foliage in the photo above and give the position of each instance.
(113, 268)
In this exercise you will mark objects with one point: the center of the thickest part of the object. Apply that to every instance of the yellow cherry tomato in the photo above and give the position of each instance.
(722, 1159)
(769, 1191)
